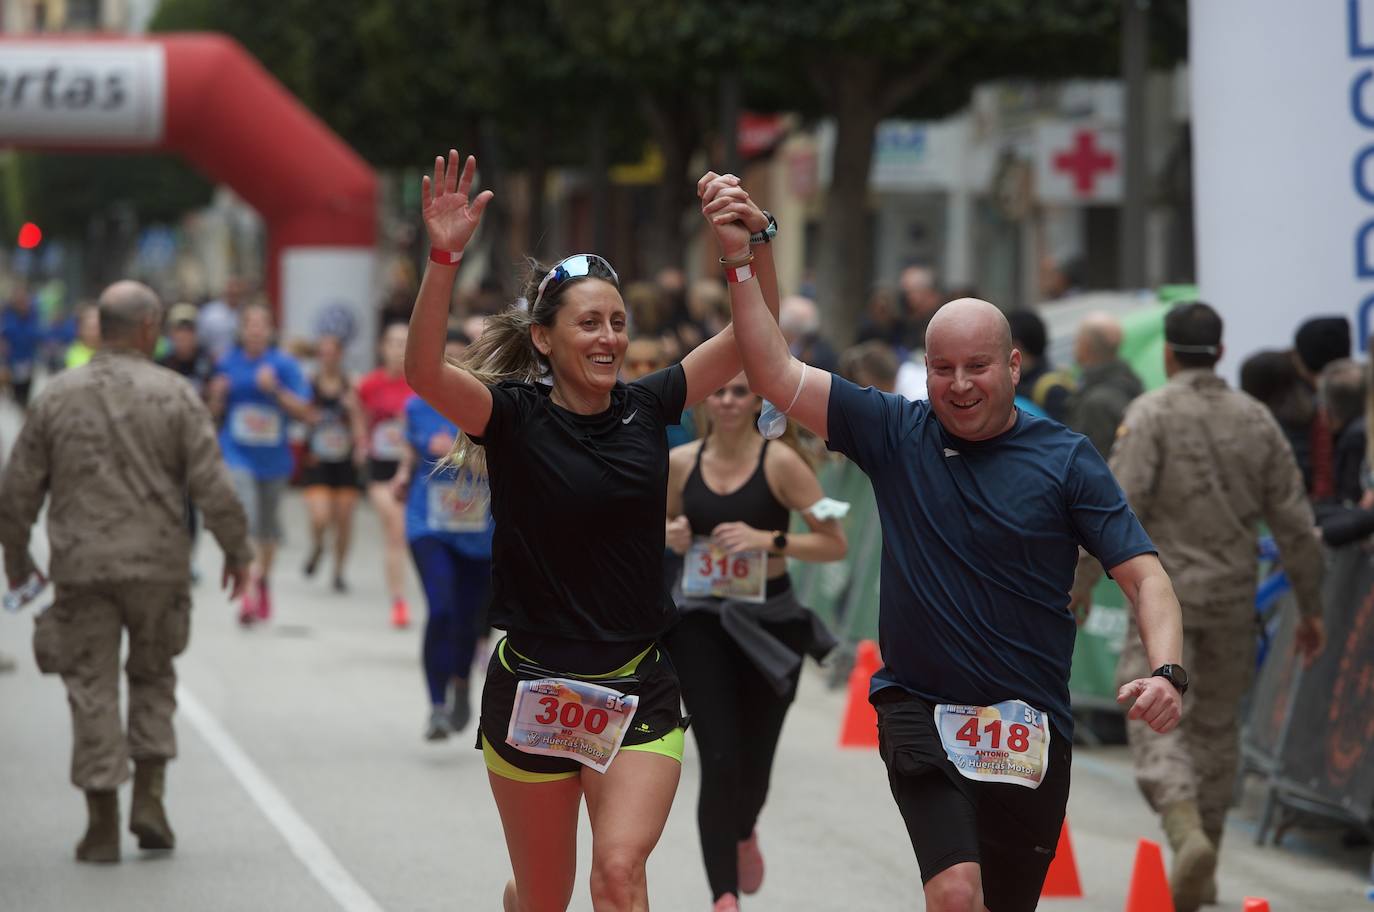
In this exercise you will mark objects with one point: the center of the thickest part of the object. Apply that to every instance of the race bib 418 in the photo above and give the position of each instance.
(1005, 742)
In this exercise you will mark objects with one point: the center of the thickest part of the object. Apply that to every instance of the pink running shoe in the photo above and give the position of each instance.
(248, 605)
(726, 903)
(750, 863)
(264, 601)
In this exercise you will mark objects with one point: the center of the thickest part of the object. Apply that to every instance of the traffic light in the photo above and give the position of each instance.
(30, 236)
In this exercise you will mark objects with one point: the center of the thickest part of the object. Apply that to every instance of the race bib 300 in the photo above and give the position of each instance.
(579, 720)
(1006, 742)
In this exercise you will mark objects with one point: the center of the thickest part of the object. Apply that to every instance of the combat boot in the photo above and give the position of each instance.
(101, 842)
(1209, 889)
(1195, 858)
(147, 819)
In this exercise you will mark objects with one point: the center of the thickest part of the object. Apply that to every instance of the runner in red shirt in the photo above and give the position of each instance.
(384, 392)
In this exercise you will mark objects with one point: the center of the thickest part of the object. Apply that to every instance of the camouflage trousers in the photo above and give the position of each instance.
(1197, 761)
(91, 622)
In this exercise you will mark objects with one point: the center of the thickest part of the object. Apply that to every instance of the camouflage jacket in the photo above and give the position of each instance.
(1202, 465)
(117, 445)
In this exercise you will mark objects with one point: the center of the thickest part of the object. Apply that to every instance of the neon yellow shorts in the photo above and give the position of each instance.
(670, 745)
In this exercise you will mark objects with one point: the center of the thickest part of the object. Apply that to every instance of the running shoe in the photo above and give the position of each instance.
(727, 903)
(400, 614)
(460, 707)
(248, 607)
(264, 601)
(313, 561)
(750, 863)
(438, 728)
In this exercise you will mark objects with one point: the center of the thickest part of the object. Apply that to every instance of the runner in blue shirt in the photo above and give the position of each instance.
(448, 525)
(21, 330)
(256, 390)
(983, 510)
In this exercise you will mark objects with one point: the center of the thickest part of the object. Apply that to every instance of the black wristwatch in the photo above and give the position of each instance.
(1174, 674)
(779, 542)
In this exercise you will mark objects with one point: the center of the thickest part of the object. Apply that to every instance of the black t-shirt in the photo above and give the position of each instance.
(198, 368)
(579, 503)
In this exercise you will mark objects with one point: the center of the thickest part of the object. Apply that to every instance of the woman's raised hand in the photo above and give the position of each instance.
(450, 217)
(729, 211)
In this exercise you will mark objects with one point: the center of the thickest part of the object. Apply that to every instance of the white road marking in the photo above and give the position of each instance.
(304, 842)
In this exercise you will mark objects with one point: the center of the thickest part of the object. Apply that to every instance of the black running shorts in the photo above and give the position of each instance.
(1010, 830)
(656, 684)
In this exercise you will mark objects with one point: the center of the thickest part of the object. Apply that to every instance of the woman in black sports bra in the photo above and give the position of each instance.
(332, 457)
(739, 643)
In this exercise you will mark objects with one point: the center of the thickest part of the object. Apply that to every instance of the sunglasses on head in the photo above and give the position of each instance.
(575, 267)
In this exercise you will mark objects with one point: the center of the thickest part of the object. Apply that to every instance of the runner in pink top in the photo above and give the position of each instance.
(383, 393)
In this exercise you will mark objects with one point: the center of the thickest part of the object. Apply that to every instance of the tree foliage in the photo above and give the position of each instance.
(536, 84)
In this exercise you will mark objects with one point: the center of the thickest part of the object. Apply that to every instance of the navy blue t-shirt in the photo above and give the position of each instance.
(980, 542)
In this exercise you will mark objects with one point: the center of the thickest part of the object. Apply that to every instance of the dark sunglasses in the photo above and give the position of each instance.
(575, 267)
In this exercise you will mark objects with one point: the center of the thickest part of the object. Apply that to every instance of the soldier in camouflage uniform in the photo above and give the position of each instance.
(1202, 465)
(117, 445)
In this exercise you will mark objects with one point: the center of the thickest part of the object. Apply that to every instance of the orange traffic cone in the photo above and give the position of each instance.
(860, 727)
(1149, 884)
(1255, 904)
(1062, 877)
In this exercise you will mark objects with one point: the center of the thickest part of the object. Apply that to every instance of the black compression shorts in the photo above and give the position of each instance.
(331, 475)
(1010, 830)
(660, 707)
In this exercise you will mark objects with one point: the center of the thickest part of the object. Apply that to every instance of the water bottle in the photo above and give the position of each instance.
(772, 423)
(18, 598)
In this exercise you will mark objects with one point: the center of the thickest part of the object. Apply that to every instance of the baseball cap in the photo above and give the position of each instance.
(182, 315)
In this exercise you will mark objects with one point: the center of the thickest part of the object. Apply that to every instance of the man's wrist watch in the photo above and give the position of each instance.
(779, 542)
(769, 231)
(1174, 674)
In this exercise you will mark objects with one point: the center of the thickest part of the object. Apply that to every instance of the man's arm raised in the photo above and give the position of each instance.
(802, 391)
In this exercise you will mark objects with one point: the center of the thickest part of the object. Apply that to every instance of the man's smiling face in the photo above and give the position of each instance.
(972, 369)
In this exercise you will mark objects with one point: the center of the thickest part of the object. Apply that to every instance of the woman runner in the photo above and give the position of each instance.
(579, 470)
(448, 525)
(334, 454)
(384, 392)
(740, 641)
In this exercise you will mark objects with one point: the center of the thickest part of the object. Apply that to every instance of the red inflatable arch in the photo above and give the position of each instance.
(207, 99)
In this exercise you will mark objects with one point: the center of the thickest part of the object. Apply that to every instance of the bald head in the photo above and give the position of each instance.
(971, 369)
(969, 320)
(127, 310)
(1098, 340)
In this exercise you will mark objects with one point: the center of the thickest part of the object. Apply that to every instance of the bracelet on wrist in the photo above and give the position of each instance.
(445, 257)
(743, 259)
(769, 231)
(736, 274)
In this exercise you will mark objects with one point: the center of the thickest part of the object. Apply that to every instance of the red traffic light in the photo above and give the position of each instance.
(30, 236)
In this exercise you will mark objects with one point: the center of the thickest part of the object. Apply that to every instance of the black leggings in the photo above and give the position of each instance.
(736, 720)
